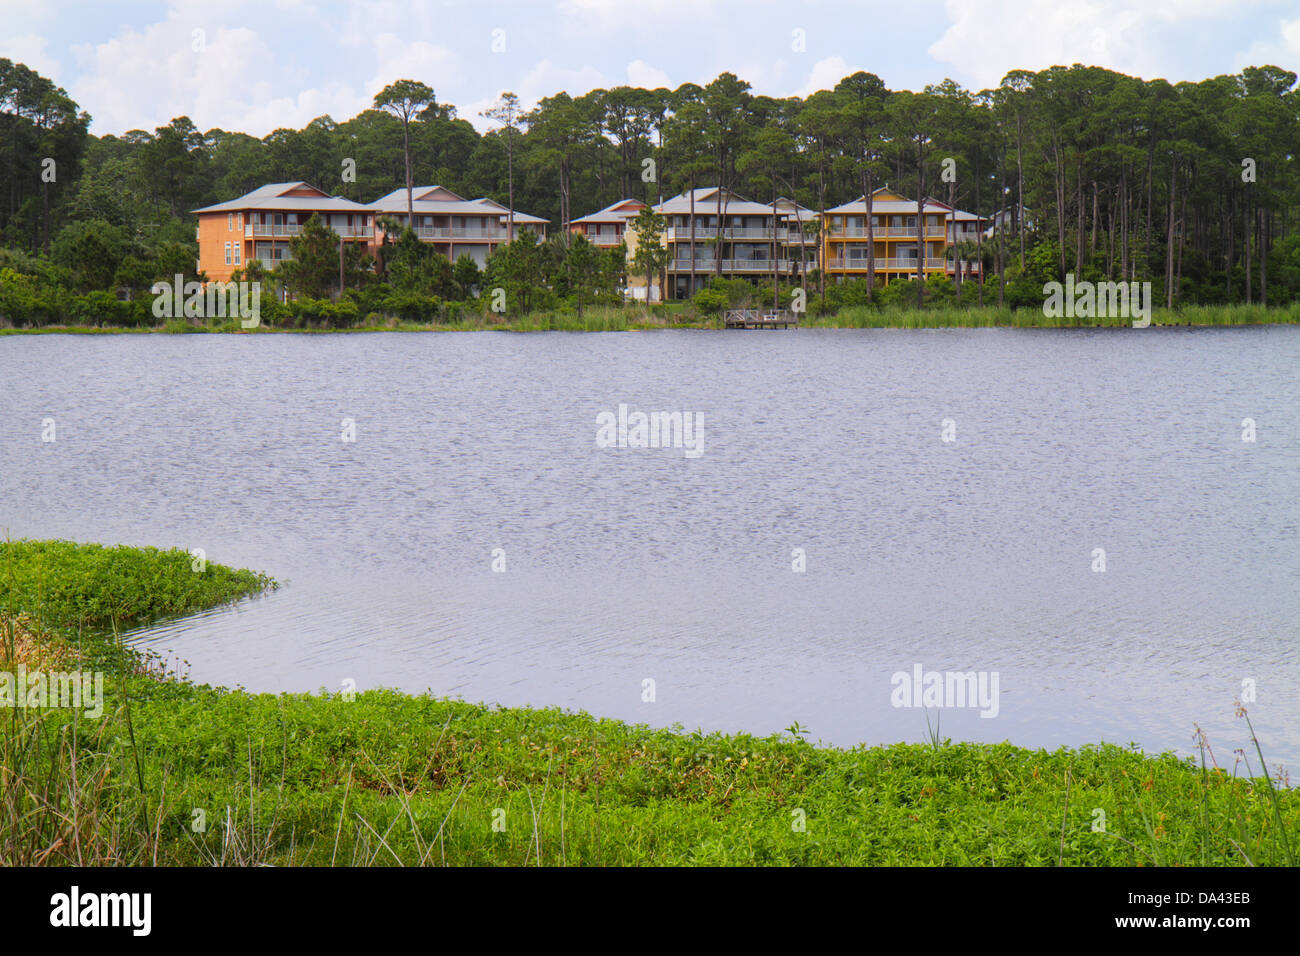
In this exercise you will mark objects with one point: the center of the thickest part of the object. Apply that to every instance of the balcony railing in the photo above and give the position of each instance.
(706, 266)
(783, 233)
(604, 239)
(679, 233)
(289, 229)
(883, 264)
(883, 232)
(462, 232)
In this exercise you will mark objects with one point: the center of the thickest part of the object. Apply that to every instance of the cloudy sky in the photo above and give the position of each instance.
(264, 64)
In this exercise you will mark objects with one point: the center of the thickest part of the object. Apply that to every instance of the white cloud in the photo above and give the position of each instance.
(229, 77)
(825, 74)
(642, 74)
(606, 13)
(544, 79)
(397, 59)
(1283, 51)
(30, 50)
(985, 40)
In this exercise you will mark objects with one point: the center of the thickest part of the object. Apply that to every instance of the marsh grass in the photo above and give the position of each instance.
(390, 779)
(683, 315)
(991, 316)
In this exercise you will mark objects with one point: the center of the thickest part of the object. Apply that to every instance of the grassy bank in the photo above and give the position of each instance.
(174, 773)
(866, 317)
(684, 316)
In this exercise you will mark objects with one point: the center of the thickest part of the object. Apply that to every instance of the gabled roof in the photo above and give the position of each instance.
(620, 211)
(288, 196)
(706, 200)
(790, 209)
(957, 215)
(439, 200)
(889, 202)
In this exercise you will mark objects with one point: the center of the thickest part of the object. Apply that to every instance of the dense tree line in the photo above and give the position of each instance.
(1193, 186)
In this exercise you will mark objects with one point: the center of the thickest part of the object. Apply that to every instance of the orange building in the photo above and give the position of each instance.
(260, 224)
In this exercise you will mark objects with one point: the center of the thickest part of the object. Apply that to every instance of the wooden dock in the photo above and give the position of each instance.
(760, 319)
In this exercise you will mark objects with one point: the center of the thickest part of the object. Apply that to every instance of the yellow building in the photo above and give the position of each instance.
(896, 237)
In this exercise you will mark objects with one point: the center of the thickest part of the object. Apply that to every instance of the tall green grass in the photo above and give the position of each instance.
(70, 585)
(684, 315)
(894, 317)
(176, 774)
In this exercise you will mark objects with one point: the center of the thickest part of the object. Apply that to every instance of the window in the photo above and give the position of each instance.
(230, 221)
(227, 253)
(238, 246)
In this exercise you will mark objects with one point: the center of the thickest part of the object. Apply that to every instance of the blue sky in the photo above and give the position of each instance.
(264, 64)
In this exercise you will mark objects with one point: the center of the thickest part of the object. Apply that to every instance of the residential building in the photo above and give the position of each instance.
(607, 226)
(962, 235)
(895, 237)
(1004, 220)
(711, 232)
(454, 225)
(259, 225)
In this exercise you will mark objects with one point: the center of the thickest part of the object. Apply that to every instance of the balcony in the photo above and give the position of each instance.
(885, 265)
(290, 229)
(683, 233)
(750, 266)
(488, 234)
(884, 232)
(604, 239)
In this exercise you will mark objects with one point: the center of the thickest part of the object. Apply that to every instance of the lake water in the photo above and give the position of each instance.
(624, 565)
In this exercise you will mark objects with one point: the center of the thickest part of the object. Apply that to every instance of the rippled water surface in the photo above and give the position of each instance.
(630, 564)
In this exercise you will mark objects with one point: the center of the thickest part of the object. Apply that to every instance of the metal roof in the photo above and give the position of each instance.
(612, 213)
(733, 205)
(903, 206)
(395, 202)
(271, 196)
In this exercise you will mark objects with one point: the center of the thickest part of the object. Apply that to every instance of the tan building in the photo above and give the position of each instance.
(608, 226)
(260, 224)
(714, 232)
(454, 225)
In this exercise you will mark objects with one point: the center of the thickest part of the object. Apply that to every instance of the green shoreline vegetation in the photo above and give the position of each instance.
(175, 773)
(1184, 191)
(640, 318)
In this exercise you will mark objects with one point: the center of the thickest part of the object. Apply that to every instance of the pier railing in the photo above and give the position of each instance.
(760, 319)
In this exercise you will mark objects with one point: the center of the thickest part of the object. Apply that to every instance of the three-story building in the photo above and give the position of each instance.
(453, 225)
(607, 227)
(259, 225)
(902, 242)
(712, 232)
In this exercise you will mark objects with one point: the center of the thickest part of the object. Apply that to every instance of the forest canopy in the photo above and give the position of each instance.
(1097, 172)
